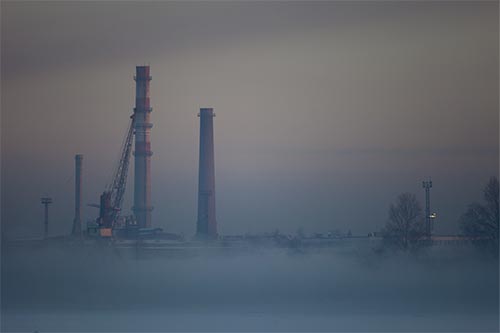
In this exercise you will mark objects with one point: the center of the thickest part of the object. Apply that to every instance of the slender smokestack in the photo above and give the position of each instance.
(77, 222)
(206, 224)
(142, 178)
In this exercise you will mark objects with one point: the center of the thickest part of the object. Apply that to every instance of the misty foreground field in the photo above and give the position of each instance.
(445, 289)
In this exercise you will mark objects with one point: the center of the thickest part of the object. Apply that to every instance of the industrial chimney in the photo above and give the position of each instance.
(206, 226)
(77, 222)
(142, 178)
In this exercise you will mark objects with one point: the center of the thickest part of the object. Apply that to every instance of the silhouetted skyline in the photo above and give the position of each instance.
(326, 111)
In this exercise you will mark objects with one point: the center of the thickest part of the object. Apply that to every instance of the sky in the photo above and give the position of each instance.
(326, 111)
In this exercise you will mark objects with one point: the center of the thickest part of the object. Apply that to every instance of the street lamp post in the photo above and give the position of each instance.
(46, 201)
(427, 185)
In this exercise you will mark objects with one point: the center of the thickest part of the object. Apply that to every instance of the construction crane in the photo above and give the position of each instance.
(112, 198)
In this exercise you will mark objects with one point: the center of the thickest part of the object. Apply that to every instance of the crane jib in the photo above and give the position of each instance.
(116, 190)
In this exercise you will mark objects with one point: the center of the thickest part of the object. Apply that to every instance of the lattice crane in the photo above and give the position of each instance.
(112, 198)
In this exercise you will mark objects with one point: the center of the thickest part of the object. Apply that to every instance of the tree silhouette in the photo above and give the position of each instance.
(480, 221)
(405, 228)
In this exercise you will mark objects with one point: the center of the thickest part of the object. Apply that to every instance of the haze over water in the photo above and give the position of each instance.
(338, 290)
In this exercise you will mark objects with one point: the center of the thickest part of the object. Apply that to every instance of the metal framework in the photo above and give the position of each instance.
(117, 187)
(112, 198)
(427, 185)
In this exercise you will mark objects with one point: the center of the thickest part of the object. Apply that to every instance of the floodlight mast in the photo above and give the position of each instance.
(427, 185)
(46, 201)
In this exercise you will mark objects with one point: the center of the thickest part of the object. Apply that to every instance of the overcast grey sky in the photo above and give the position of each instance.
(326, 111)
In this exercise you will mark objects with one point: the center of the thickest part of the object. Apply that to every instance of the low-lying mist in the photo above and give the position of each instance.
(107, 289)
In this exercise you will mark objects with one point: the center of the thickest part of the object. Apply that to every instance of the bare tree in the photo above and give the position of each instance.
(480, 221)
(405, 228)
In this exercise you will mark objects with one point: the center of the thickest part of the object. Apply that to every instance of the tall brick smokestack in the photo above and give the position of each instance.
(206, 226)
(142, 178)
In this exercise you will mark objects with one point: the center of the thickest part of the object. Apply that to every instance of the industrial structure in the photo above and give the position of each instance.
(77, 221)
(428, 217)
(46, 201)
(206, 226)
(111, 199)
(142, 178)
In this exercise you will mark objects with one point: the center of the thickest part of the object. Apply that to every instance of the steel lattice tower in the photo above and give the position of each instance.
(427, 185)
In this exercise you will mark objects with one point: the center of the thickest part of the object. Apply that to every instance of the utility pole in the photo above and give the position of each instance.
(46, 201)
(427, 185)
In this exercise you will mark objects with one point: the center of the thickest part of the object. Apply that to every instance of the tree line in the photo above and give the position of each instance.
(405, 228)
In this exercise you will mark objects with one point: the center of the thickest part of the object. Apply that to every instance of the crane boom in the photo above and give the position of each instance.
(117, 187)
(112, 198)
